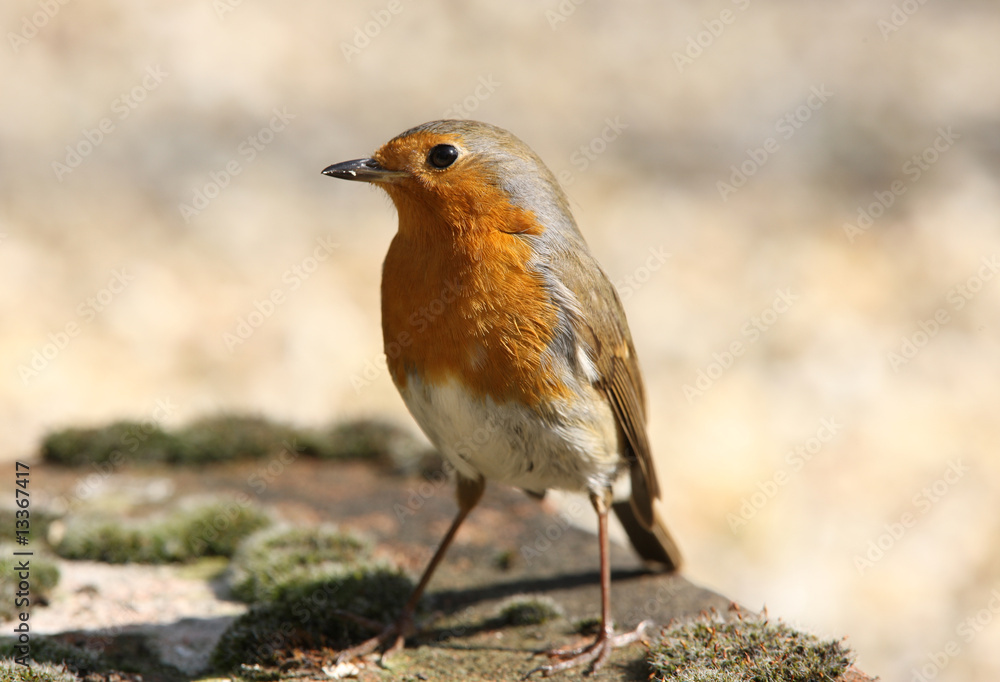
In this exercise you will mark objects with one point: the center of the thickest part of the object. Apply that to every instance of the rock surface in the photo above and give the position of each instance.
(511, 545)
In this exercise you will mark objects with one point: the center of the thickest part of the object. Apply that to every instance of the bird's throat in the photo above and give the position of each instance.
(470, 309)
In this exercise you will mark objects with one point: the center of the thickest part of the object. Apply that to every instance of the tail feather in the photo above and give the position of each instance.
(653, 543)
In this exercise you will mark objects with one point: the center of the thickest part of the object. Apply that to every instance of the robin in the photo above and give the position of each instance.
(530, 344)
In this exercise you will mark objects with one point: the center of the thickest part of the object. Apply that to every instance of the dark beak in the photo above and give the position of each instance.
(362, 170)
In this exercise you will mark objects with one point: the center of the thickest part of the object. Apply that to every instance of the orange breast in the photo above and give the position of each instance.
(459, 302)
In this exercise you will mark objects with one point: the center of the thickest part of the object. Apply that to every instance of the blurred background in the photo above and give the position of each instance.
(799, 203)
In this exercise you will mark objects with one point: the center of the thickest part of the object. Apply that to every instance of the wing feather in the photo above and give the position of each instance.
(600, 324)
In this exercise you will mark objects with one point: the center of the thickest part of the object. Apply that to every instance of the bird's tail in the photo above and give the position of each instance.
(653, 543)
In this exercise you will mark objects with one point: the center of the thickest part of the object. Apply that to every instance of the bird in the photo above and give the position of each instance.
(498, 319)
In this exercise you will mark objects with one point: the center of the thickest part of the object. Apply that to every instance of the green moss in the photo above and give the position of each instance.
(112, 542)
(504, 560)
(744, 649)
(528, 610)
(116, 444)
(228, 437)
(306, 616)
(133, 654)
(73, 659)
(225, 438)
(208, 530)
(37, 672)
(205, 569)
(588, 626)
(276, 560)
(368, 439)
(217, 529)
(43, 577)
(40, 519)
(122, 657)
(213, 439)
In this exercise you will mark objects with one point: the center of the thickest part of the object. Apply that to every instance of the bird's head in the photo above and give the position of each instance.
(458, 175)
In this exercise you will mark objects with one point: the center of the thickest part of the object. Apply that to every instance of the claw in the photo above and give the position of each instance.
(391, 639)
(595, 654)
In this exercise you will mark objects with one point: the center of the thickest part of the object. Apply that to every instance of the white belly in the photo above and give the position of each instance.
(572, 448)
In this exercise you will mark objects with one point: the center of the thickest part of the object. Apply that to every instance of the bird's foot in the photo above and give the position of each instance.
(390, 639)
(595, 654)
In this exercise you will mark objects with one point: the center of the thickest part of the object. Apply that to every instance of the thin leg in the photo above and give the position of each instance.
(392, 638)
(597, 652)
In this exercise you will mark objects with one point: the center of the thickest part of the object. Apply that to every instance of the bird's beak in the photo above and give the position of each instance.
(362, 170)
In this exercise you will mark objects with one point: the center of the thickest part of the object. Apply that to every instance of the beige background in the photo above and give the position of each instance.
(102, 254)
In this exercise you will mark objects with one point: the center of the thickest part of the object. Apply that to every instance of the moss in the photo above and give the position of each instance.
(208, 530)
(117, 443)
(41, 520)
(218, 438)
(276, 560)
(228, 437)
(125, 657)
(256, 673)
(225, 438)
(73, 659)
(205, 569)
(112, 542)
(44, 576)
(217, 529)
(528, 610)
(306, 616)
(588, 626)
(130, 655)
(745, 649)
(37, 672)
(368, 439)
(504, 560)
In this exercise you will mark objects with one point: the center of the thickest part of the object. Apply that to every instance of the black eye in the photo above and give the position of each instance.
(442, 155)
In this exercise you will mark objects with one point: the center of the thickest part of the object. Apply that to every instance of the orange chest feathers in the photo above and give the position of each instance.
(469, 310)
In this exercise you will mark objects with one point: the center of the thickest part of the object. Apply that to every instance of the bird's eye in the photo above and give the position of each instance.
(442, 155)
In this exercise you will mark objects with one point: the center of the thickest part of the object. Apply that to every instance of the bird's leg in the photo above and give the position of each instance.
(597, 652)
(392, 638)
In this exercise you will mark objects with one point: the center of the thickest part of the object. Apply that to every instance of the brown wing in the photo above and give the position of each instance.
(601, 326)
